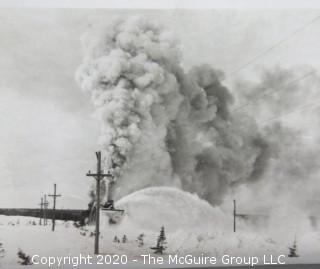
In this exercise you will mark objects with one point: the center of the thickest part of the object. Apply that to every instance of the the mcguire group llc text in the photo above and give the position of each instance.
(148, 259)
(211, 260)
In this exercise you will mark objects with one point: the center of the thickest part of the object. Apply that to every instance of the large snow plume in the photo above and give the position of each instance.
(161, 125)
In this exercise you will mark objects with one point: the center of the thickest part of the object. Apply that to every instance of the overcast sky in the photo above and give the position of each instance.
(48, 134)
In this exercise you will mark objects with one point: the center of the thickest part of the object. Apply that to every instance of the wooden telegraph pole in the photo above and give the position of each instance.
(234, 215)
(54, 195)
(45, 207)
(99, 175)
(41, 211)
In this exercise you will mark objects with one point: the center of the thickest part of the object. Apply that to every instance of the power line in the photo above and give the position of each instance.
(258, 56)
(304, 76)
(300, 109)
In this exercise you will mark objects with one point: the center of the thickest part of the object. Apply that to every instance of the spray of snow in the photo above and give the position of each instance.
(192, 225)
(204, 227)
(169, 204)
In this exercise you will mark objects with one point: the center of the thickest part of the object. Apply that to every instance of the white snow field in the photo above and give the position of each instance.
(192, 226)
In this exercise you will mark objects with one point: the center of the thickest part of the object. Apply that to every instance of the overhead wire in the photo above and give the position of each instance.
(275, 45)
(283, 87)
(299, 109)
(266, 51)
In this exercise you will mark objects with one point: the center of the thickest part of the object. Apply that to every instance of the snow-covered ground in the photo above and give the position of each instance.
(192, 226)
(19, 233)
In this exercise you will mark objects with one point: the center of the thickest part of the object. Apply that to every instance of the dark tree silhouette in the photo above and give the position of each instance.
(2, 251)
(116, 239)
(24, 258)
(293, 250)
(140, 240)
(160, 242)
(124, 239)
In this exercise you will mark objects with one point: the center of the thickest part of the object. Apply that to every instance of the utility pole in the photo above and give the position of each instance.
(41, 211)
(45, 207)
(54, 195)
(234, 215)
(99, 175)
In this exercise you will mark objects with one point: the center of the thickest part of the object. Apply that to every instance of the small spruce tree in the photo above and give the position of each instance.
(124, 239)
(116, 239)
(161, 242)
(2, 251)
(293, 250)
(140, 240)
(24, 258)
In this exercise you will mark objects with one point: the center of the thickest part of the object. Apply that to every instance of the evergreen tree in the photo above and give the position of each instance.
(24, 258)
(2, 251)
(162, 236)
(124, 239)
(116, 239)
(293, 250)
(140, 240)
(160, 242)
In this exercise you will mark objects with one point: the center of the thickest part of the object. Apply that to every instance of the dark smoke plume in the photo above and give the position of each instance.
(161, 125)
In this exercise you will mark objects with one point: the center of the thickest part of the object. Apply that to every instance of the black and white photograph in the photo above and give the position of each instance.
(159, 137)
